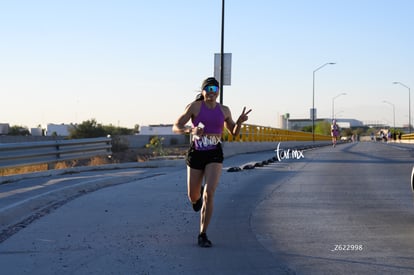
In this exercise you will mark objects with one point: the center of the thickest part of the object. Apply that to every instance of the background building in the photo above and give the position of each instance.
(297, 124)
(4, 128)
(155, 130)
(59, 129)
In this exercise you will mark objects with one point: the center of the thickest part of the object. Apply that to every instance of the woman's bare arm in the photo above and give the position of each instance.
(234, 127)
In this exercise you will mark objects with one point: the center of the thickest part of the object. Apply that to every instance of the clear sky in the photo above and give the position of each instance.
(127, 62)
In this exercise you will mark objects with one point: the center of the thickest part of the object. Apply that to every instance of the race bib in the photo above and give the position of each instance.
(206, 142)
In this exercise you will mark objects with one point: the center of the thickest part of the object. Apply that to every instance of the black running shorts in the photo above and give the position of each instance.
(198, 159)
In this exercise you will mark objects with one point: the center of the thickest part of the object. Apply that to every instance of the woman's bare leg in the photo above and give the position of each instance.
(212, 175)
(194, 181)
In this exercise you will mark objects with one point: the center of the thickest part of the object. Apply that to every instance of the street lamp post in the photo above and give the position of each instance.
(333, 104)
(222, 53)
(313, 97)
(409, 104)
(393, 111)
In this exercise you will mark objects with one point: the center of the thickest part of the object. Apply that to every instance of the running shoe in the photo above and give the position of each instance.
(203, 241)
(199, 203)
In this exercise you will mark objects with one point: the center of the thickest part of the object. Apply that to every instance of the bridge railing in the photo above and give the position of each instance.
(31, 153)
(408, 137)
(255, 133)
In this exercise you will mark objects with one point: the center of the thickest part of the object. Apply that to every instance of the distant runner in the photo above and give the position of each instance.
(334, 132)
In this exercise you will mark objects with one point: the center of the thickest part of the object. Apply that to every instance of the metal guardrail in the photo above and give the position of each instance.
(30, 153)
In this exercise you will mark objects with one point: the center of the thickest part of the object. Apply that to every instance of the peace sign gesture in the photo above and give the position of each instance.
(243, 117)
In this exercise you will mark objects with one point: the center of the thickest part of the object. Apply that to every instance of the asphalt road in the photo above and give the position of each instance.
(343, 210)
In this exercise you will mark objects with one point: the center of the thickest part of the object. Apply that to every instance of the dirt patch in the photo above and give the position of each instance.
(144, 154)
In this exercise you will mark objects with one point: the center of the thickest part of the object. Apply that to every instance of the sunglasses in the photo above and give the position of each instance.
(213, 89)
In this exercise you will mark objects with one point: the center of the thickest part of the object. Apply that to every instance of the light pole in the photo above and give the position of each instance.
(222, 53)
(313, 97)
(393, 111)
(333, 104)
(409, 104)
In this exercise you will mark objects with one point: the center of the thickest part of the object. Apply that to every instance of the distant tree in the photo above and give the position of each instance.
(360, 131)
(307, 129)
(91, 128)
(18, 131)
(323, 128)
(114, 130)
(347, 132)
(87, 129)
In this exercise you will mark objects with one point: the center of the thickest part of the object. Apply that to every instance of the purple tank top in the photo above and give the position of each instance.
(213, 119)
